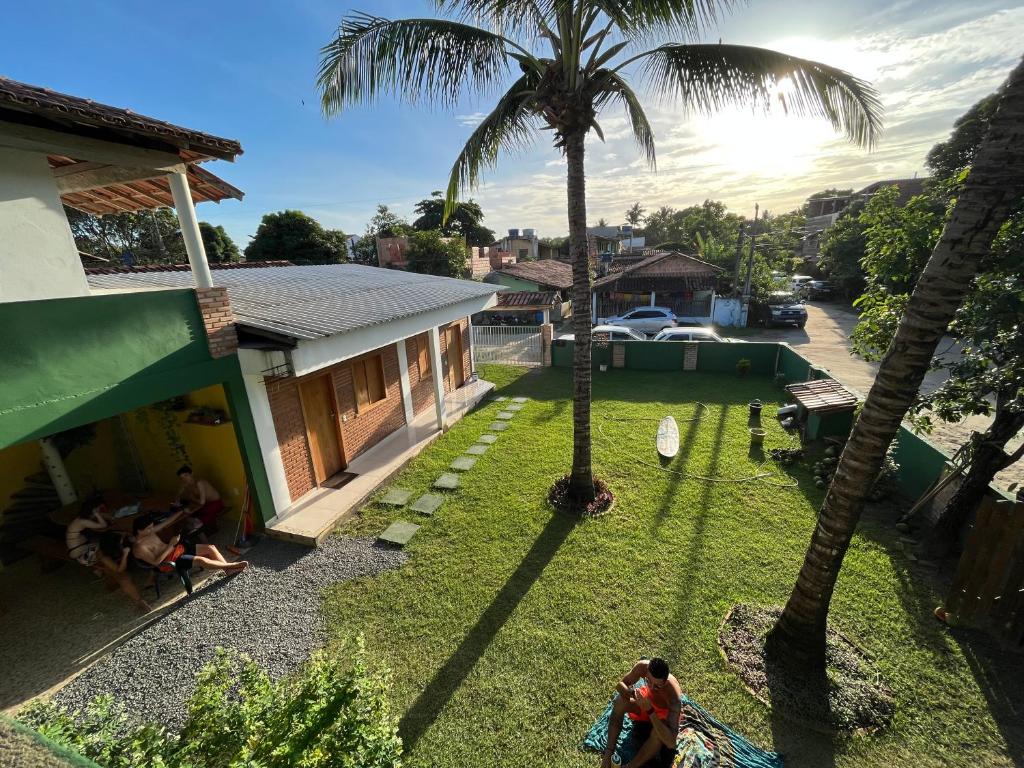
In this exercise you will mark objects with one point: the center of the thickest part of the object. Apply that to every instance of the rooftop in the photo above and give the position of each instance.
(311, 302)
(526, 299)
(551, 272)
(661, 265)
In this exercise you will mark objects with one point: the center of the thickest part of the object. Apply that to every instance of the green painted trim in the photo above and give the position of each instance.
(248, 444)
(517, 284)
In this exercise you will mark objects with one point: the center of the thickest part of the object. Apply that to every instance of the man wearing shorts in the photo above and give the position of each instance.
(150, 548)
(653, 706)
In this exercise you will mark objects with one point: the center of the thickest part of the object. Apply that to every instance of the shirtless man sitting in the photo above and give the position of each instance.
(200, 499)
(654, 709)
(150, 548)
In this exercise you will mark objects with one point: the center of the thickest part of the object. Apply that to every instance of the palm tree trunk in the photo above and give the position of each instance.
(581, 482)
(988, 458)
(993, 188)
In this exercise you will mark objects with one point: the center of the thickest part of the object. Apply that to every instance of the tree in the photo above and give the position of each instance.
(572, 61)
(384, 223)
(602, 222)
(218, 244)
(140, 237)
(465, 220)
(434, 254)
(635, 214)
(842, 248)
(989, 195)
(294, 236)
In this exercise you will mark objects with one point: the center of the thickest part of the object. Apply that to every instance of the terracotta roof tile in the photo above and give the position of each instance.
(507, 299)
(551, 272)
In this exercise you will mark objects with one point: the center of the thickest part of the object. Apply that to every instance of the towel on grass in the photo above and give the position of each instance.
(703, 742)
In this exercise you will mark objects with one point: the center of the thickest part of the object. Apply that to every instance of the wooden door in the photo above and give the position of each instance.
(321, 417)
(456, 374)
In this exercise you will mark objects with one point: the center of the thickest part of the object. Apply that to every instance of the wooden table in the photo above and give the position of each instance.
(158, 501)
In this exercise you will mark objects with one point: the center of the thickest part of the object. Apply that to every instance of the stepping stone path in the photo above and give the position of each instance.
(515, 407)
(506, 415)
(399, 532)
(498, 426)
(520, 399)
(396, 497)
(463, 463)
(477, 450)
(499, 399)
(489, 439)
(448, 481)
(427, 504)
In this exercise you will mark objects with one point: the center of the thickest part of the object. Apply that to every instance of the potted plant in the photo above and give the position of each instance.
(743, 366)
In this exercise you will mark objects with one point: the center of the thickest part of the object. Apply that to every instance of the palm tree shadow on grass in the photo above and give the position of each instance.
(447, 680)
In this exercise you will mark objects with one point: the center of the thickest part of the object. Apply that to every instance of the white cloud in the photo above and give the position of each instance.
(471, 121)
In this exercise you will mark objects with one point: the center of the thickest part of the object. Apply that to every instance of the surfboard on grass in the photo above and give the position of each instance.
(668, 437)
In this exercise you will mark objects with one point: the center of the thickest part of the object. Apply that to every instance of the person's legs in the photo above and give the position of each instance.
(620, 707)
(652, 746)
(211, 552)
(220, 565)
(124, 581)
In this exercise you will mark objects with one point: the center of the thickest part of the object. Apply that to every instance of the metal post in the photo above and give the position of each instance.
(750, 260)
(190, 230)
(739, 260)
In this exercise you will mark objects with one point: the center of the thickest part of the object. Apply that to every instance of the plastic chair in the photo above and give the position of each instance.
(176, 569)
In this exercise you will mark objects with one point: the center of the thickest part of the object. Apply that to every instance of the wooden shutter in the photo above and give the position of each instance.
(374, 367)
(359, 383)
(423, 349)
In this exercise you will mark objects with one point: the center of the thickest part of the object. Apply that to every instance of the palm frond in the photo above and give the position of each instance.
(647, 19)
(709, 77)
(613, 86)
(414, 59)
(509, 127)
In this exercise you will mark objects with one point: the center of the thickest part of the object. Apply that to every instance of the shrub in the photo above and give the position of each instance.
(333, 713)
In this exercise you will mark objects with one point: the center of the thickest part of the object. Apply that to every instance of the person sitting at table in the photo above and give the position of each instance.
(88, 550)
(200, 498)
(184, 552)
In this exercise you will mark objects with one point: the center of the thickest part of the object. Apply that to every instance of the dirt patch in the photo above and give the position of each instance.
(559, 498)
(850, 696)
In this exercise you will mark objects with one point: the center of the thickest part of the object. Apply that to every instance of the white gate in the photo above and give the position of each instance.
(509, 345)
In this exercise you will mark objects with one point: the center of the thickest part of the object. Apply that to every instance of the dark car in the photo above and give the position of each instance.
(820, 289)
(786, 309)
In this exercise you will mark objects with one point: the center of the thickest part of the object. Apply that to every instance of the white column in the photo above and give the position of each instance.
(58, 473)
(652, 298)
(593, 307)
(437, 366)
(190, 230)
(266, 434)
(472, 348)
(403, 378)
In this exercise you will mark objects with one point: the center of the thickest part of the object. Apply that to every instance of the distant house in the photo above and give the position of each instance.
(546, 275)
(526, 307)
(822, 213)
(680, 282)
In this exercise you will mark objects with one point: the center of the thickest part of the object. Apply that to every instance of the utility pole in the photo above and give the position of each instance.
(739, 259)
(750, 265)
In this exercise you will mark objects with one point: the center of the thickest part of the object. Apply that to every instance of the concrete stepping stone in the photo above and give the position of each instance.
(399, 532)
(427, 504)
(506, 415)
(498, 426)
(499, 398)
(463, 463)
(515, 407)
(477, 450)
(520, 399)
(449, 481)
(489, 439)
(396, 497)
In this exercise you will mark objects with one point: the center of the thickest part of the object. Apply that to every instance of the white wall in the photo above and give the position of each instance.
(728, 312)
(38, 257)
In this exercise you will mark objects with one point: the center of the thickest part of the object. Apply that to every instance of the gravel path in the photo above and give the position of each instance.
(271, 612)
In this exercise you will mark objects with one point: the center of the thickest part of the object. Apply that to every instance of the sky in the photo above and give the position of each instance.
(247, 71)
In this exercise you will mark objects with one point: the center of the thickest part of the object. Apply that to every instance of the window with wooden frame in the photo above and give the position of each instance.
(368, 381)
(423, 351)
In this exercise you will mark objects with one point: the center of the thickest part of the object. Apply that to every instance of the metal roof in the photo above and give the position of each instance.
(311, 302)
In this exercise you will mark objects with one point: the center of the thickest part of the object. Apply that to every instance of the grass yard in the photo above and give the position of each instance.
(509, 626)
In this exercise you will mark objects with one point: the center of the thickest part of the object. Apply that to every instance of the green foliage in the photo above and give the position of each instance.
(218, 244)
(948, 158)
(332, 714)
(464, 220)
(708, 227)
(842, 248)
(433, 254)
(635, 214)
(150, 237)
(384, 223)
(296, 237)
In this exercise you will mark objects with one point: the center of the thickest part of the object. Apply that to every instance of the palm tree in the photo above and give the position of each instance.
(572, 60)
(991, 191)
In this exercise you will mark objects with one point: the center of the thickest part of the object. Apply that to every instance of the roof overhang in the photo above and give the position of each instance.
(314, 354)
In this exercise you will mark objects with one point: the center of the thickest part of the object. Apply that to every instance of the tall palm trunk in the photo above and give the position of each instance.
(993, 188)
(581, 484)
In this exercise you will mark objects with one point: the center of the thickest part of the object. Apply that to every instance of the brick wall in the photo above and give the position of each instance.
(422, 386)
(219, 320)
(286, 410)
(362, 430)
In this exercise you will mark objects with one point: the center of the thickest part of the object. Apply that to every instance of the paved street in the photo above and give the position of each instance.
(826, 342)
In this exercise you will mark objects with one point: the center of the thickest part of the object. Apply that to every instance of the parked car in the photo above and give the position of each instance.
(786, 309)
(690, 334)
(798, 283)
(645, 319)
(615, 333)
(820, 289)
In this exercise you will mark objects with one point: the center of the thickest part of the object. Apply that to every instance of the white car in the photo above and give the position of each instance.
(615, 333)
(645, 319)
(690, 334)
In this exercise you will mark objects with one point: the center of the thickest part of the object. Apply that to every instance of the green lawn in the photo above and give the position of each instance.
(509, 626)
